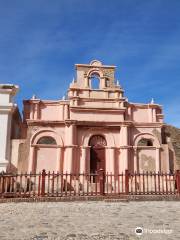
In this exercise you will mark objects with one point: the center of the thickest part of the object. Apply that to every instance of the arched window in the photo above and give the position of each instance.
(145, 142)
(95, 84)
(97, 140)
(47, 140)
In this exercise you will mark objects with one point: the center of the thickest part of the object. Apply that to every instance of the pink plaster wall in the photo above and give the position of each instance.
(50, 112)
(46, 158)
(90, 112)
(140, 115)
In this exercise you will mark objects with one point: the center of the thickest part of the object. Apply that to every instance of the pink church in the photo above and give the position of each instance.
(94, 128)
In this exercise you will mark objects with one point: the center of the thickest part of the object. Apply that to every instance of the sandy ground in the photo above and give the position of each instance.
(90, 220)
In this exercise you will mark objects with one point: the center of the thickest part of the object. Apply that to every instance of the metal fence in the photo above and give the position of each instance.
(63, 184)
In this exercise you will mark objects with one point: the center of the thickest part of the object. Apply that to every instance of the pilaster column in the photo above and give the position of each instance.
(88, 159)
(70, 141)
(66, 114)
(70, 93)
(117, 95)
(31, 111)
(150, 118)
(59, 159)
(135, 159)
(111, 160)
(123, 158)
(124, 146)
(120, 163)
(61, 112)
(86, 82)
(83, 160)
(157, 159)
(36, 111)
(125, 150)
(68, 159)
(129, 113)
(75, 93)
(71, 134)
(124, 136)
(102, 82)
(31, 165)
(76, 102)
(154, 114)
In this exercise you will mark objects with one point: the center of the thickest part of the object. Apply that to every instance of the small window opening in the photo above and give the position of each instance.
(145, 142)
(47, 140)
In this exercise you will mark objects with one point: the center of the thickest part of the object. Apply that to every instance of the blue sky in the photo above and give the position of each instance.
(40, 41)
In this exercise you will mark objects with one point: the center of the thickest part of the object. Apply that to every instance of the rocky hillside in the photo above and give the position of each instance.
(174, 134)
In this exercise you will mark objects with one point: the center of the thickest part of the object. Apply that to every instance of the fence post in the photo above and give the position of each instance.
(126, 182)
(43, 182)
(3, 183)
(101, 181)
(178, 181)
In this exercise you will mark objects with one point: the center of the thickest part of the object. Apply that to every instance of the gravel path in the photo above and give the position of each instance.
(90, 220)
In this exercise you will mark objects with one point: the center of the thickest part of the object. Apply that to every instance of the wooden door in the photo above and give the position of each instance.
(97, 159)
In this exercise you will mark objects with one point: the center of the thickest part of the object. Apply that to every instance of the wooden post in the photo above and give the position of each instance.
(43, 182)
(101, 181)
(3, 183)
(178, 181)
(126, 182)
(39, 184)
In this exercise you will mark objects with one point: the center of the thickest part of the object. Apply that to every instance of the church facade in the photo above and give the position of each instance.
(94, 128)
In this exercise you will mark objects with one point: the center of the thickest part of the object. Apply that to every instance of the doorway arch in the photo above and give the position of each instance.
(97, 145)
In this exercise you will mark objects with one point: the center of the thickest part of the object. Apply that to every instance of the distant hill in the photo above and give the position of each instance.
(174, 134)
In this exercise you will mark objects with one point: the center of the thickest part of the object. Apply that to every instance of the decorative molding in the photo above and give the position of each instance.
(69, 122)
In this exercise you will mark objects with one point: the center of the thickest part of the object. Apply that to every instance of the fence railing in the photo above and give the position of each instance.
(152, 183)
(63, 184)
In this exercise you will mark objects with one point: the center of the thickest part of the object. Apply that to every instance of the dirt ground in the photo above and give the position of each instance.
(90, 220)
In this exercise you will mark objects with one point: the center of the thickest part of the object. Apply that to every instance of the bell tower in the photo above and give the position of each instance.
(94, 81)
(86, 74)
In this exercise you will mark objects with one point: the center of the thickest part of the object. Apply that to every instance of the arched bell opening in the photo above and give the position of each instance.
(95, 81)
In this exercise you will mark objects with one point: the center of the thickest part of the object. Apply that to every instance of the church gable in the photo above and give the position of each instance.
(95, 109)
